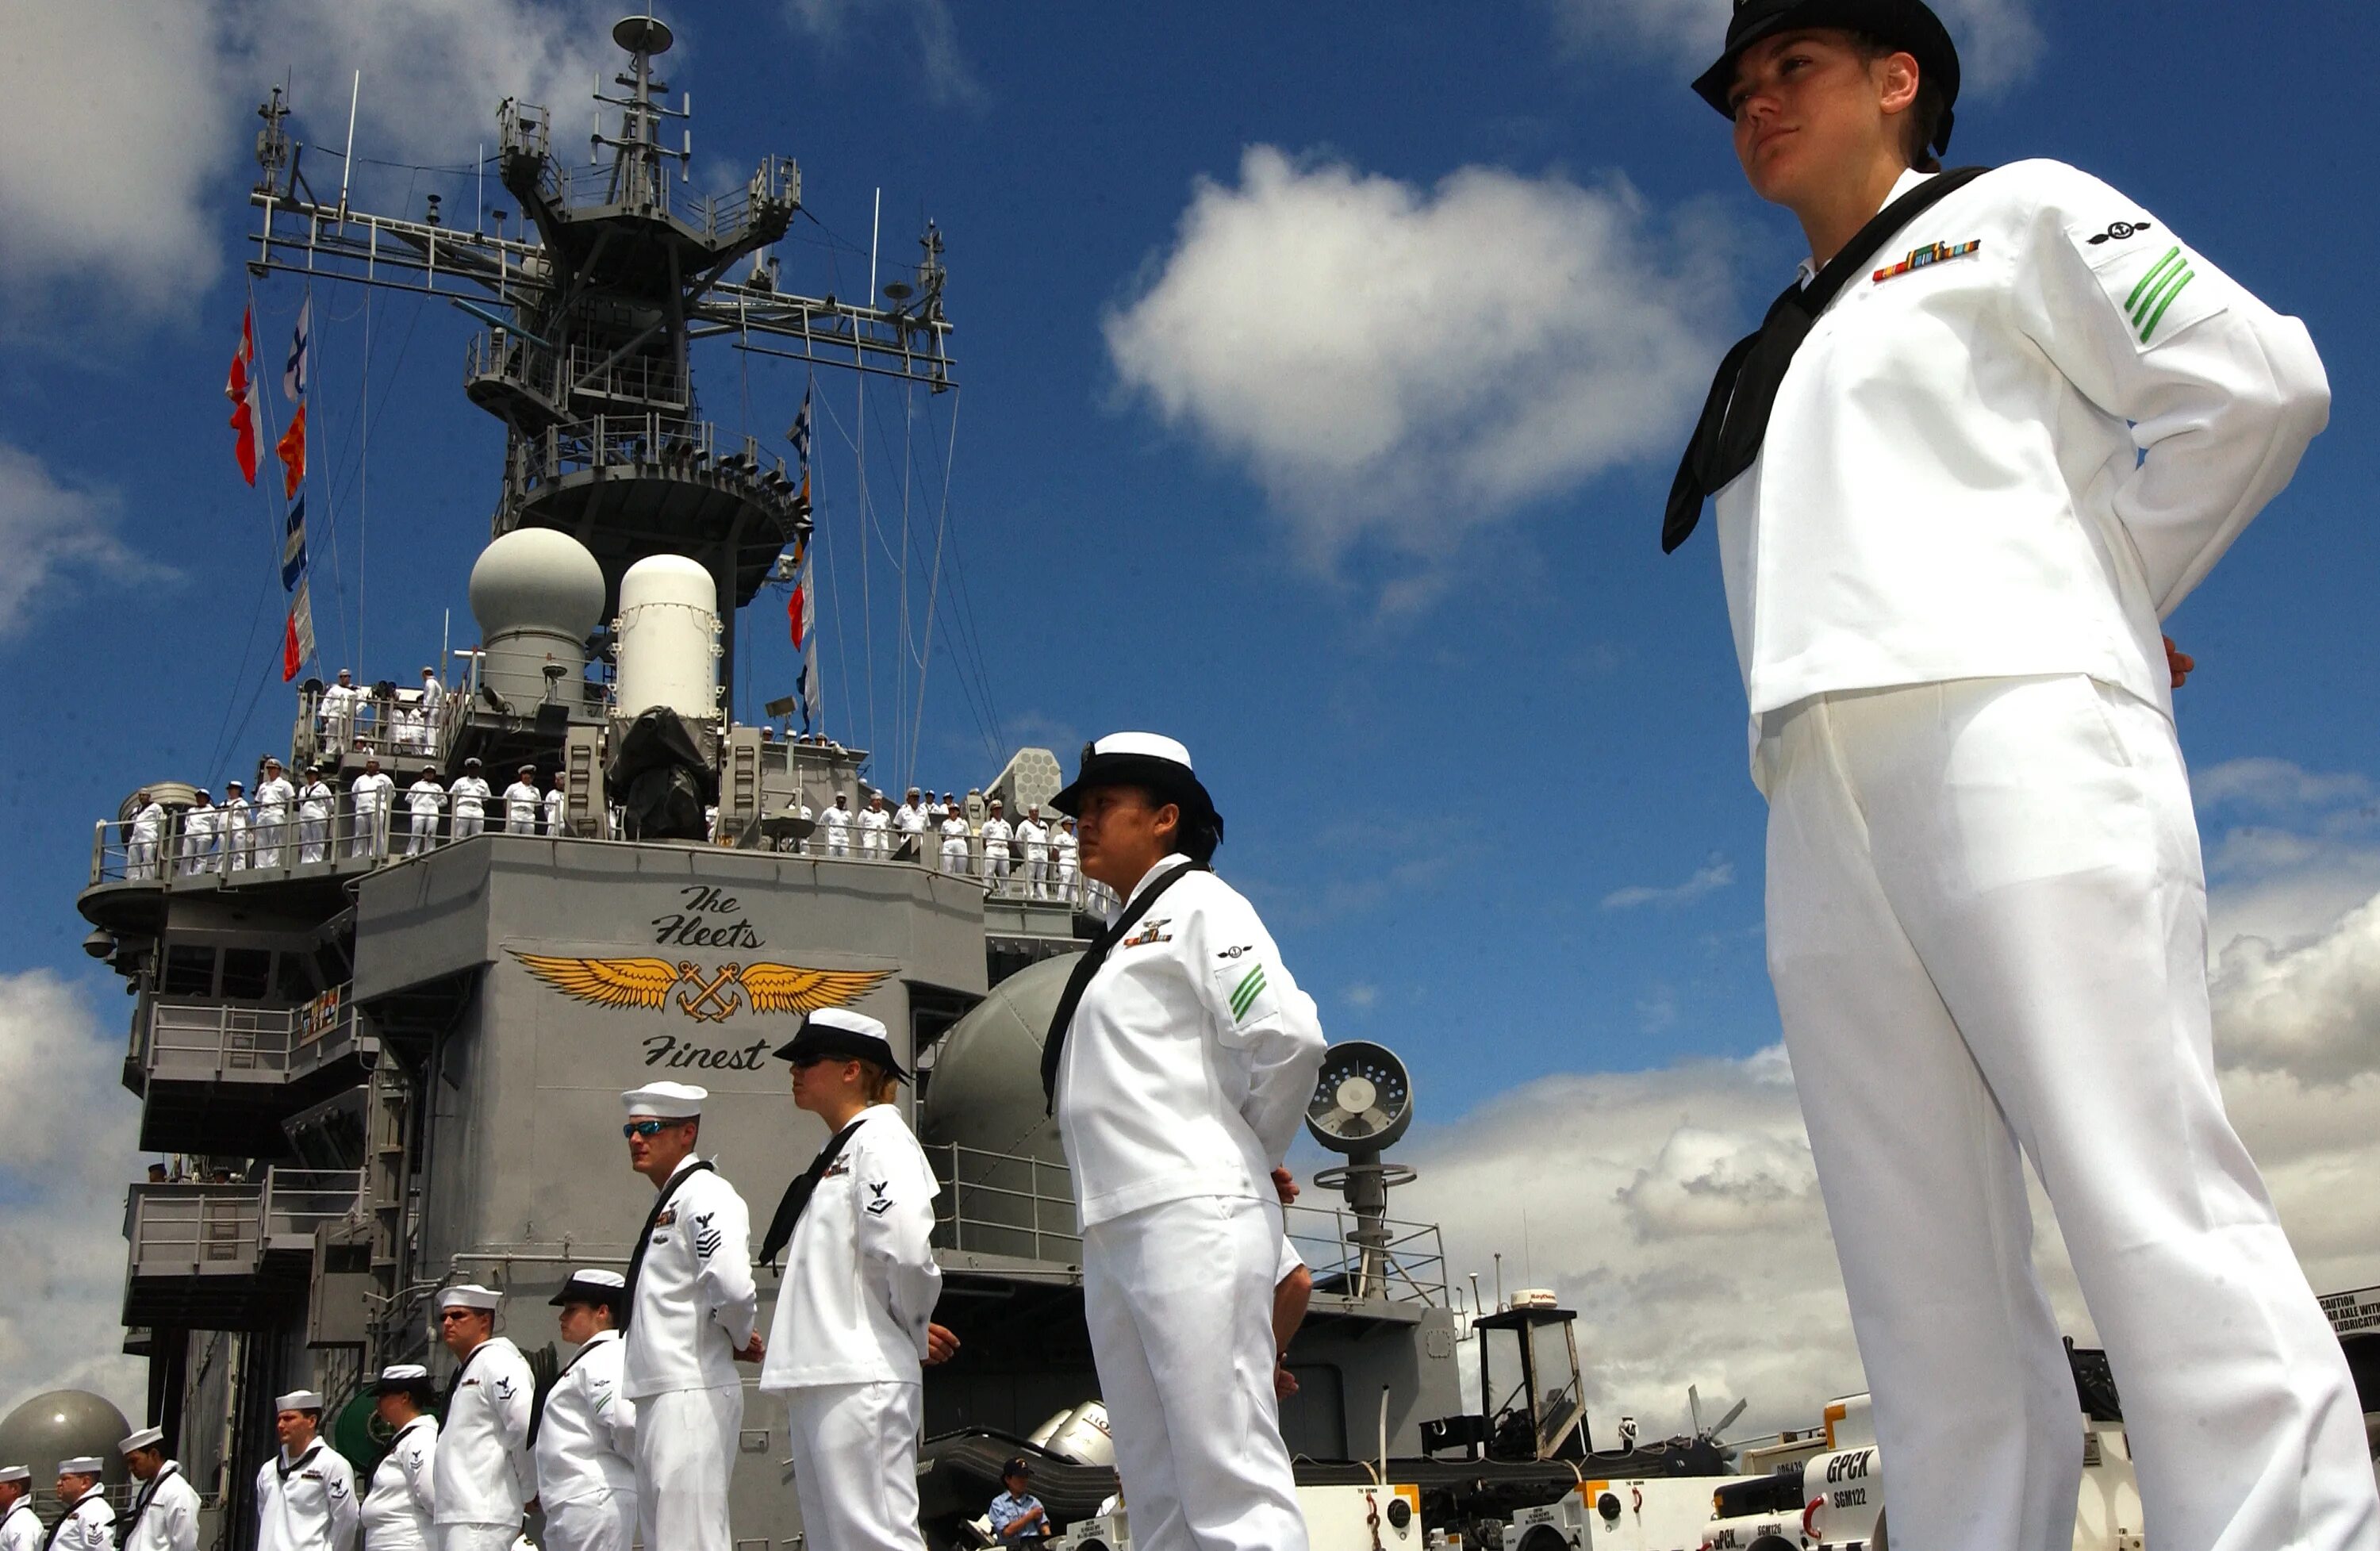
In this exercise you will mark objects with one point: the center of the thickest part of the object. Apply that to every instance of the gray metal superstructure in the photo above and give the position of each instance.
(387, 1058)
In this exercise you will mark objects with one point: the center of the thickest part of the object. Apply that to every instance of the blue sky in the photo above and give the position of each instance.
(1480, 746)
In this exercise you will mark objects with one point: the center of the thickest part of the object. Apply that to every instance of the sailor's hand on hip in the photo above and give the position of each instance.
(1284, 1185)
(2178, 663)
(752, 1350)
(940, 1344)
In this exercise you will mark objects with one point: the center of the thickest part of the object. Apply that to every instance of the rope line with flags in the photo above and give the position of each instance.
(801, 610)
(298, 635)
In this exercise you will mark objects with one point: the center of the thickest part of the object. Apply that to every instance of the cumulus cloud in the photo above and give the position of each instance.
(2310, 1011)
(1398, 364)
(69, 1157)
(159, 94)
(50, 531)
(2269, 784)
(932, 36)
(1998, 41)
(1712, 876)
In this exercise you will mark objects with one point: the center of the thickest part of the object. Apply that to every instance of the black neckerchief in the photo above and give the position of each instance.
(797, 1198)
(399, 1438)
(1054, 1042)
(125, 1525)
(637, 1261)
(65, 1519)
(285, 1466)
(1735, 414)
(536, 1407)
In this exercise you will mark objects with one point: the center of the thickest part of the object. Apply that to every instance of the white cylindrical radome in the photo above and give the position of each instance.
(668, 638)
(536, 593)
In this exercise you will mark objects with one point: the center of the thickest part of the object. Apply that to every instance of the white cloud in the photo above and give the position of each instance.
(1998, 41)
(2270, 784)
(48, 531)
(147, 104)
(1399, 364)
(933, 38)
(70, 1155)
(1679, 1212)
(1713, 875)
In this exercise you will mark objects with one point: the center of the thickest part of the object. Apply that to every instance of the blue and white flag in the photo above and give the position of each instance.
(300, 369)
(293, 548)
(799, 435)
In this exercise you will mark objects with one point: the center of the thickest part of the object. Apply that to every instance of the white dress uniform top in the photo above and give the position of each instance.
(21, 1529)
(400, 1509)
(373, 794)
(90, 1523)
(835, 823)
(140, 844)
(1985, 480)
(996, 856)
(848, 1339)
(875, 833)
(423, 800)
(557, 803)
(165, 1514)
(1181, 1083)
(1034, 839)
(586, 1453)
(470, 794)
(273, 799)
(1063, 846)
(910, 820)
(694, 1306)
(315, 801)
(232, 819)
(481, 1470)
(954, 845)
(307, 1503)
(523, 803)
(197, 846)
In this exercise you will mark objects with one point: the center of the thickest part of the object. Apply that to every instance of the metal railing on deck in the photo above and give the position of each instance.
(557, 376)
(196, 1041)
(211, 1229)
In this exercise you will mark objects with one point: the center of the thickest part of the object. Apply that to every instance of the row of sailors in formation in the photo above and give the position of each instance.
(1044, 851)
(236, 834)
(405, 726)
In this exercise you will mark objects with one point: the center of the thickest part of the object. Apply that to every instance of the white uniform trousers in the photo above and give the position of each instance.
(1987, 930)
(686, 1445)
(1179, 1300)
(477, 1537)
(604, 1521)
(854, 1453)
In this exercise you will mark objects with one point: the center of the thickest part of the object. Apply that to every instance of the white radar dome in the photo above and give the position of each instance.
(538, 594)
(668, 638)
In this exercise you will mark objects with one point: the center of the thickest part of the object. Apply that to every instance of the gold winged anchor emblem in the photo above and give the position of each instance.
(714, 997)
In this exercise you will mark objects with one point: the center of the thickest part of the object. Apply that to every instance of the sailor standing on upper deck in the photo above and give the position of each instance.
(1976, 453)
(693, 1315)
(315, 802)
(1179, 1065)
(482, 1470)
(523, 803)
(273, 796)
(470, 796)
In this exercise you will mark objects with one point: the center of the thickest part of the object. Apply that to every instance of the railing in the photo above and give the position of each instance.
(200, 1041)
(645, 440)
(557, 376)
(765, 199)
(1009, 1204)
(401, 723)
(323, 837)
(225, 1228)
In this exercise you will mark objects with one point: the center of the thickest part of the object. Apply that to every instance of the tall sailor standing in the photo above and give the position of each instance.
(482, 1471)
(165, 1513)
(306, 1493)
(854, 1321)
(401, 1506)
(90, 1523)
(1179, 1063)
(20, 1527)
(584, 1435)
(1962, 475)
(693, 1313)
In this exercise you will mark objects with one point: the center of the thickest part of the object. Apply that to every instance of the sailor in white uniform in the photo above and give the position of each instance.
(469, 796)
(339, 711)
(195, 847)
(140, 840)
(90, 1523)
(1976, 455)
(997, 858)
(233, 818)
(481, 1473)
(306, 1493)
(797, 807)
(1063, 846)
(1034, 837)
(401, 1506)
(693, 1313)
(423, 801)
(583, 1437)
(432, 710)
(557, 804)
(164, 1512)
(835, 823)
(315, 802)
(273, 796)
(955, 844)
(910, 822)
(523, 803)
(1179, 1065)
(875, 829)
(20, 1527)
(371, 795)
(853, 1327)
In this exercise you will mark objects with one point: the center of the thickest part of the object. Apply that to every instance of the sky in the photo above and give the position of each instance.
(1322, 370)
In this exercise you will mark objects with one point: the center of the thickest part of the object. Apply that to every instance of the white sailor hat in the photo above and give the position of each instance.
(404, 1378)
(592, 1285)
(147, 1437)
(299, 1400)
(14, 1472)
(835, 1033)
(1149, 759)
(666, 1101)
(82, 1465)
(469, 1295)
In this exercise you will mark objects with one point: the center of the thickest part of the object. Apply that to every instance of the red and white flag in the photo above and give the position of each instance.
(241, 388)
(297, 638)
